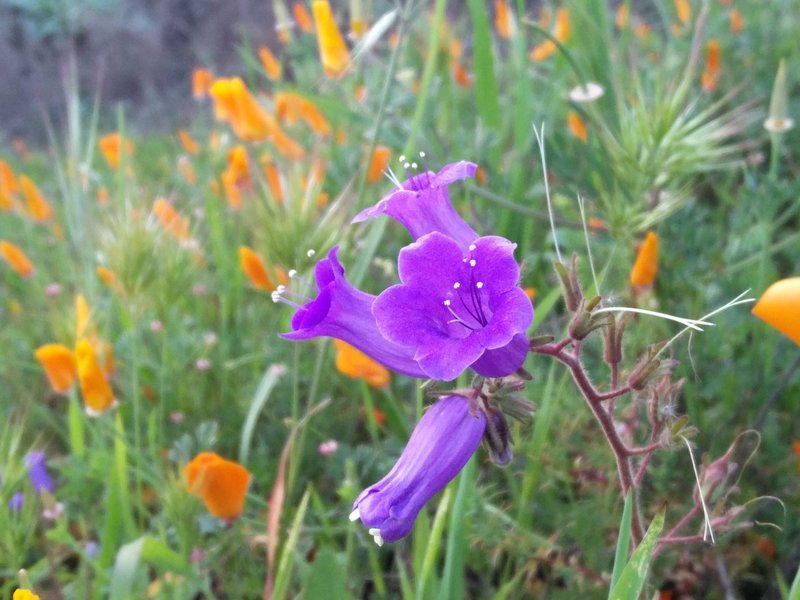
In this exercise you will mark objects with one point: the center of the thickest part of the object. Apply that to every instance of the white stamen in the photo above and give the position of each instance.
(422, 155)
(447, 302)
(276, 297)
(355, 515)
(378, 540)
(472, 247)
(280, 289)
(292, 273)
(472, 262)
(406, 165)
(413, 165)
(402, 158)
(456, 285)
(374, 531)
(311, 253)
(479, 285)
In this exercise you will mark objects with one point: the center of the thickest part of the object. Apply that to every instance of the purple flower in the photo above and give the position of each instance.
(440, 445)
(36, 462)
(16, 501)
(344, 312)
(458, 307)
(422, 204)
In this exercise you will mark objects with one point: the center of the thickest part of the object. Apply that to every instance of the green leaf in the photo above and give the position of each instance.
(794, 591)
(485, 80)
(633, 576)
(453, 577)
(623, 541)
(327, 578)
(284, 572)
(130, 556)
(265, 387)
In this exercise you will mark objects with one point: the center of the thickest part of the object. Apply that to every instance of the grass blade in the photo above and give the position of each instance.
(623, 541)
(633, 576)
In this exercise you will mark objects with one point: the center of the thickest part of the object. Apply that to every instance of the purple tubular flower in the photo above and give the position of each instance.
(440, 445)
(344, 312)
(458, 308)
(36, 462)
(16, 501)
(423, 205)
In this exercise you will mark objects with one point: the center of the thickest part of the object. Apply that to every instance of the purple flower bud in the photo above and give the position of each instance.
(440, 445)
(36, 462)
(422, 204)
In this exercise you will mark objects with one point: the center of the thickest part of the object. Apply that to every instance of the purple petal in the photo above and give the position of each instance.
(344, 312)
(404, 315)
(37, 472)
(495, 264)
(16, 501)
(440, 445)
(434, 262)
(423, 205)
(446, 358)
(503, 361)
(512, 313)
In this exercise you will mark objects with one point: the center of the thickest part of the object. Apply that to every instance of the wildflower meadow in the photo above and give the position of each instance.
(418, 299)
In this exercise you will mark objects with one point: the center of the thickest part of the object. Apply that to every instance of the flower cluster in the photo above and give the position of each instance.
(458, 305)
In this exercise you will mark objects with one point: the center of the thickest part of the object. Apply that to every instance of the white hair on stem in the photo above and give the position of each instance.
(707, 530)
(539, 133)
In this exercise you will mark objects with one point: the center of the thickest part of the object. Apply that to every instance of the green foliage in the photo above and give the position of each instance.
(200, 367)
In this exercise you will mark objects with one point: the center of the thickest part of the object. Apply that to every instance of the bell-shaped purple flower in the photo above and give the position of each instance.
(36, 462)
(458, 307)
(422, 204)
(443, 441)
(344, 312)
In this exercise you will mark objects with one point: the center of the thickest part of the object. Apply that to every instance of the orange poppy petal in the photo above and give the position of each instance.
(302, 17)
(779, 306)
(378, 163)
(332, 49)
(38, 208)
(221, 484)
(16, 259)
(97, 394)
(502, 19)
(59, 365)
(354, 363)
(254, 268)
(644, 270)
(270, 63)
(577, 126)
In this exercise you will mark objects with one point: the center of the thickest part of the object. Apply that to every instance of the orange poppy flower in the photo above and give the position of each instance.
(273, 177)
(502, 19)
(737, 21)
(779, 306)
(577, 126)
(232, 194)
(201, 83)
(644, 270)
(234, 103)
(188, 142)
(239, 165)
(561, 32)
(84, 327)
(378, 163)
(171, 220)
(221, 484)
(622, 16)
(354, 363)
(711, 73)
(38, 208)
(291, 107)
(287, 146)
(16, 259)
(461, 76)
(254, 268)
(8, 186)
(59, 365)
(272, 66)
(332, 50)
(112, 146)
(684, 11)
(301, 16)
(107, 276)
(97, 394)
(530, 293)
